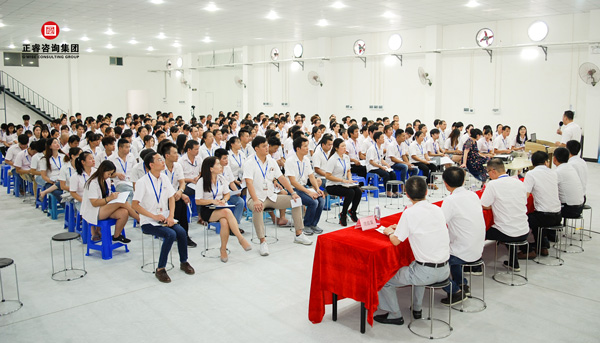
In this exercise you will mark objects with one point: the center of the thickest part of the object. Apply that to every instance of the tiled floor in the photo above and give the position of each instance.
(254, 298)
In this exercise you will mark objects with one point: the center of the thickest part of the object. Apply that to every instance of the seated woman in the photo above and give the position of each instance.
(68, 169)
(485, 143)
(96, 197)
(84, 168)
(50, 167)
(340, 183)
(149, 142)
(212, 190)
(520, 139)
(451, 146)
(472, 159)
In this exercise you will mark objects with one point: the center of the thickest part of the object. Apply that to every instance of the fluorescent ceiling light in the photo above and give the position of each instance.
(176, 44)
(109, 46)
(472, 3)
(12, 46)
(322, 22)
(272, 15)
(26, 41)
(157, 2)
(338, 4)
(538, 31)
(388, 14)
(150, 48)
(85, 38)
(2, 25)
(207, 39)
(89, 50)
(161, 36)
(109, 32)
(133, 41)
(211, 7)
(66, 29)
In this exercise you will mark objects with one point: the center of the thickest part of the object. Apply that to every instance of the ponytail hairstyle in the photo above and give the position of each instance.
(205, 173)
(231, 142)
(73, 153)
(105, 166)
(336, 146)
(79, 161)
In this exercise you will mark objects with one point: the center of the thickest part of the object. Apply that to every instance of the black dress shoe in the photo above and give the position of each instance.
(343, 219)
(352, 215)
(121, 239)
(383, 319)
(191, 243)
(417, 314)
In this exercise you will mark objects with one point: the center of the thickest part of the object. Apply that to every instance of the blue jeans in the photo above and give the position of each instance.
(169, 234)
(239, 207)
(314, 208)
(456, 272)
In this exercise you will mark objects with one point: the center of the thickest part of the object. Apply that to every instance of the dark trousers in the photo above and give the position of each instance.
(181, 214)
(494, 234)
(571, 211)
(427, 169)
(169, 234)
(192, 195)
(386, 176)
(351, 195)
(541, 219)
(359, 170)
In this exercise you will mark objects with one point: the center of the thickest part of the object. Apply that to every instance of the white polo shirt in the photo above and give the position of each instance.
(502, 143)
(23, 160)
(319, 158)
(338, 167)
(153, 195)
(366, 144)
(227, 174)
(508, 198)
(542, 182)
(570, 132)
(174, 175)
(298, 169)
(313, 143)
(485, 146)
(77, 182)
(376, 155)
(433, 146)
(463, 139)
(466, 226)
(137, 145)
(352, 149)
(288, 146)
(582, 170)
(55, 165)
(92, 191)
(12, 152)
(262, 175)
(570, 191)
(217, 191)
(416, 149)
(206, 152)
(448, 145)
(395, 150)
(425, 227)
(248, 150)
(123, 166)
(66, 172)
(190, 170)
(139, 170)
(35, 161)
(236, 161)
(101, 156)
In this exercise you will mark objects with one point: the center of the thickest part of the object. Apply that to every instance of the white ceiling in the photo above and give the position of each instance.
(239, 23)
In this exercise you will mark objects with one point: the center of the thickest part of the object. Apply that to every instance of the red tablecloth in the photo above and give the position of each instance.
(356, 264)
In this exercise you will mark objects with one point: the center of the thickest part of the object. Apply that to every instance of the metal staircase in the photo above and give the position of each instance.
(29, 98)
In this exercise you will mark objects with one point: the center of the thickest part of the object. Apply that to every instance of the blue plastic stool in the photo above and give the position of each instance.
(106, 245)
(79, 227)
(359, 179)
(10, 181)
(55, 208)
(70, 216)
(374, 180)
(4, 174)
(43, 203)
(329, 201)
(19, 183)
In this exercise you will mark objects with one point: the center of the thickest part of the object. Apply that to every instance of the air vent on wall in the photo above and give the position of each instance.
(115, 61)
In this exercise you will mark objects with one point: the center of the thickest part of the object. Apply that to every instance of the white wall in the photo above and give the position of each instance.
(529, 92)
(15, 111)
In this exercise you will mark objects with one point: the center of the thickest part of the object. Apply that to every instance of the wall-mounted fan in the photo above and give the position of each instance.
(424, 77)
(589, 73)
(239, 82)
(314, 79)
(274, 54)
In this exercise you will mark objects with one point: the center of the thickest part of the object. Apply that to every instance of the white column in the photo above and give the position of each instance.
(591, 126)
(246, 103)
(432, 106)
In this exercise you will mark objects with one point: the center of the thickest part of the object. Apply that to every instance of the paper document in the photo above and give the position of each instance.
(192, 185)
(446, 160)
(296, 203)
(120, 199)
(239, 191)
(348, 185)
(221, 206)
(380, 229)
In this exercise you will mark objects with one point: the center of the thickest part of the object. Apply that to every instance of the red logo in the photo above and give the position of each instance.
(50, 30)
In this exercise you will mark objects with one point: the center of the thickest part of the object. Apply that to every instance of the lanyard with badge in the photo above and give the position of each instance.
(124, 168)
(239, 163)
(377, 151)
(343, 166)
(214, 194)
(172, 174)
(157, 195)
(300, 170)
(59, 164)
(264, 174)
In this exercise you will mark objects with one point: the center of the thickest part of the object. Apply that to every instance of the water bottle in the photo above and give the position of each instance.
(377, 214)
(529, 155)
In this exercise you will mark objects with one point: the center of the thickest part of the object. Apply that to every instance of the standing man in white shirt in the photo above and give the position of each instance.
(542, 182)
(502, 144)
(466, 227)
(154, 200)
(425, 227)
(570, 191)
(300, 172)
(569, 131)
(260, 171)
(507, 198)
(578, 164)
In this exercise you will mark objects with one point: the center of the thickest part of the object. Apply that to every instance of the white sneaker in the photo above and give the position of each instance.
(302, 239)
(264, 249)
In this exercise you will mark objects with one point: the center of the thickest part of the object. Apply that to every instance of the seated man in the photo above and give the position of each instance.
(420, 158)
(260, 171)
(154, 200)
(397, 154)
(300, 172)
(507, 198)
(124, 162)
(578, 164)
(570, 191)
(425, 227)
(377, 165)
(466, 226)
(542, 182)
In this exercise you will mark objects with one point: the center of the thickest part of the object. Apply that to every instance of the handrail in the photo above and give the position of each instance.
(30, 95)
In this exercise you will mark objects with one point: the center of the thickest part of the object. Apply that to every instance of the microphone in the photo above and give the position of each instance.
(560, 124)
